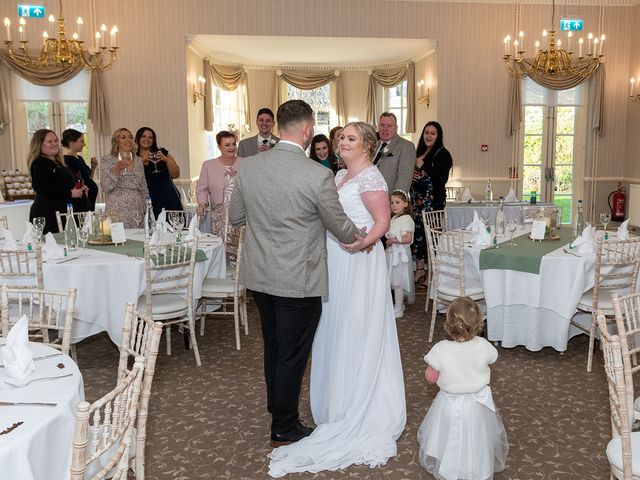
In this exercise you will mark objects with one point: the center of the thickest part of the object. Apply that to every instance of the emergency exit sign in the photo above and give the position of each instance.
(31, 11)
(570, 24)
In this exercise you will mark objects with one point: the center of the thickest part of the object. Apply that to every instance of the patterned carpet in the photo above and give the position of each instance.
(211, 422)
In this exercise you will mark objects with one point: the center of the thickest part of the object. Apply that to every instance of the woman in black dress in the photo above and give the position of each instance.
(52, 180)
(73, 143)
(428, 192)
(160, 168)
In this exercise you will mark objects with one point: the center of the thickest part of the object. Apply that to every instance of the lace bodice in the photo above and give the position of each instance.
(369, 180)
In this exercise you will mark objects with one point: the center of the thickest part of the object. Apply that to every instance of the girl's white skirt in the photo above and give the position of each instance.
(462, 437)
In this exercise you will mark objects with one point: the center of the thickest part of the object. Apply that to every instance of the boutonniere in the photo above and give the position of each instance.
(272, 142)
(386, 152)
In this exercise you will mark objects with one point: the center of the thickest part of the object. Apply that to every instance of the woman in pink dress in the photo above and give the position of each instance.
(216, 182)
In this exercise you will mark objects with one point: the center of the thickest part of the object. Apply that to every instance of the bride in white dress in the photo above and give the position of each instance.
(357, 387)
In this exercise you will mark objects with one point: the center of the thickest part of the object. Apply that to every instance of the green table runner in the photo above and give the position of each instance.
(523, 257)
(132, 248)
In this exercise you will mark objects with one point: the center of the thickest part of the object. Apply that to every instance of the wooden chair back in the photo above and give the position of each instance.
(436, 220)
(4, 221)
(61, 219)
(616, 270)
(22, 268)
(446, 254)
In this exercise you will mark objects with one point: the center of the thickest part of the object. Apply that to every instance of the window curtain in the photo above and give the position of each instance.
(227, 78)
(390, 78)
(4, 97)
(596, 101)
(98, 112)
(514, 115)
(308, 81)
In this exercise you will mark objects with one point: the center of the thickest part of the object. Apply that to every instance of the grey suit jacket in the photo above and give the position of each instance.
(287, 201)
(249, 146)
(397, 166)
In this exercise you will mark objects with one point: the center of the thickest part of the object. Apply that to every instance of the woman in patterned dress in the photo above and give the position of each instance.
(122, 179)
(216, 182)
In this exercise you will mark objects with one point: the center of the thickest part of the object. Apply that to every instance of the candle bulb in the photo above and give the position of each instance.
(521, 40)
(75, 36)
(52, 20)
(97, 40)
(595, 47)
(544, 39)
(632, 84)
(22, 29)
(114, 38)
(537, 45)
(515, 49)
(569, 37)
(590, 39)
(21, 33)
(103, 36)
(79, 23)
(7, 26)
(506, 47)
(580, 42)
(45, 36)
(602, 39)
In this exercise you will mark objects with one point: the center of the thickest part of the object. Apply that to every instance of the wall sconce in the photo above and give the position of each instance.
(634, 95)
(198, 95)
(423, 98)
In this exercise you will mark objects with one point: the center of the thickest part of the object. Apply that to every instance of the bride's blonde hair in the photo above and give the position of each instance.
(368, 135)
(464, 320)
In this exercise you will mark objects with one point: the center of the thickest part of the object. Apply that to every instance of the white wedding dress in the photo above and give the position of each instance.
(357, 387)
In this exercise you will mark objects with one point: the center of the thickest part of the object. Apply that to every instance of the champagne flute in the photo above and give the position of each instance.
(137, 218)
(153, 158)
(512, 225)
(83, 236)
(605, 218)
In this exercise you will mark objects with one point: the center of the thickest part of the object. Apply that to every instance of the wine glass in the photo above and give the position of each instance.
(192, 196)
(125, 157)
(484, 216)
(137, 218)
(179, 225)
(39, 222)
(153, 158)
(83, 236)
(605, 218)
(512, 225)
(174, 219)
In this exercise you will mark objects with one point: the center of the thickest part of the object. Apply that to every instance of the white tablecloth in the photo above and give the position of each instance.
(41, 447)
(459, 215)
(17, 214)
(529, 309)
(106, 282)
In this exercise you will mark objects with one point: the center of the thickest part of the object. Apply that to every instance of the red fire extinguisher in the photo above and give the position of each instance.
(617, 207)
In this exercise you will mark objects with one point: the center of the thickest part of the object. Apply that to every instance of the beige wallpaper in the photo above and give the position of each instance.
(147, 85)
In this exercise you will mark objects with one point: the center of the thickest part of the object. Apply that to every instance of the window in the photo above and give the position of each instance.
(553, 145)
(227, 115)
(395, 101)
(320, 100)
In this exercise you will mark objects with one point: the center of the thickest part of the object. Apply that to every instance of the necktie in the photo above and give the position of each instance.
(265, 141)
(379, 155)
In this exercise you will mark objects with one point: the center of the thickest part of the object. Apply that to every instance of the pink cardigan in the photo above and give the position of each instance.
(210, 187)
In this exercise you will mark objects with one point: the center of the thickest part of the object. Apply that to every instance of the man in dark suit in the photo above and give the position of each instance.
(394, 156)
(287, 202)
(264, 140)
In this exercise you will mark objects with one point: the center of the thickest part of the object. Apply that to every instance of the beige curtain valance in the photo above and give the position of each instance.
(308, 81)
(390, 78)
(227, 78)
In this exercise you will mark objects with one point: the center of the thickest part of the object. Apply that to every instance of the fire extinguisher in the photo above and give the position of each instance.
(617, 208)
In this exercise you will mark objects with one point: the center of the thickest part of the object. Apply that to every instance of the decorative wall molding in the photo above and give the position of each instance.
(583, 3)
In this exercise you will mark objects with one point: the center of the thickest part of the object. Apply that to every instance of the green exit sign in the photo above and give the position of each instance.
(31, 11)
(570, 24)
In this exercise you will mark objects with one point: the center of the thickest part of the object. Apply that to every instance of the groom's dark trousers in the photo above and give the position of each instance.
(288, 328)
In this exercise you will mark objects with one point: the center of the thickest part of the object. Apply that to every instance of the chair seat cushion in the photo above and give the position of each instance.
(604, 301)
(164, 304)
(451, 289)
(213, 286)
(614, 452)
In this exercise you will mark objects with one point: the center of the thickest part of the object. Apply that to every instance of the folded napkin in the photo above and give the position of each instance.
(466, 196)
(162, 221)
(473, 226)
(511, 196)
(155, 238)
(183, 197)
(194, 232)
(29, 234)
(17, 356)
(623, 230)
(481, 237)
(51, 249)
(584, 243)
(9, 240)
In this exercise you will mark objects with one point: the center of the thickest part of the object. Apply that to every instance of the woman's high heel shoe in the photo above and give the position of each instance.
(420, 276)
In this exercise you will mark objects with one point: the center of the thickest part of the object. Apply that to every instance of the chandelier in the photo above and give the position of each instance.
(550, 58)
(60, 51)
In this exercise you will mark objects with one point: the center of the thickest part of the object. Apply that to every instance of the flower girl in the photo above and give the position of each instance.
(462, 435)
(399, 238)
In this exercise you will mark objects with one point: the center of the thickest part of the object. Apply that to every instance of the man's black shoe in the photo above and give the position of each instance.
(299, 431)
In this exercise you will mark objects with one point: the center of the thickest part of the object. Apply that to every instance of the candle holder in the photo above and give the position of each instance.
(101, 229)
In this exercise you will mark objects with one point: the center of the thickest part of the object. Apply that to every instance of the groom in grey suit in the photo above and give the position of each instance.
(287, 201)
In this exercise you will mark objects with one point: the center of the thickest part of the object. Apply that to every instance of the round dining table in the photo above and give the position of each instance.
(37, 417)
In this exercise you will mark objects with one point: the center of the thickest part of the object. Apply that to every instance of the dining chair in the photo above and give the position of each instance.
(103, 430)
(616, 271)
(61, 219)
(49, 313)
(140, 338)
(230, 293)
(619, 449)
(436, 220)
(626, 310)
(22, 268)
(448, 282)
(4, 221)
(169, 269)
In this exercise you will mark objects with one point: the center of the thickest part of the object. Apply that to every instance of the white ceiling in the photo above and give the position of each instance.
(309, 51)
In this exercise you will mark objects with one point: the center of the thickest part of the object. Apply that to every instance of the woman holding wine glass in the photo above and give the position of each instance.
(160, 168)
(122, 178)
(52, 180)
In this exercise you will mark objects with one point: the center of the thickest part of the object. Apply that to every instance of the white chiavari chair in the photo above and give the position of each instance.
(436, 220)
(4, 221)
(230, 292)
(169, 269)
(22, 268)
(448, 282)
(140, 338)
(616, 271)
(623, 464)
(61, 219)
(50, 314)
(627, 315)
(103, 431)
